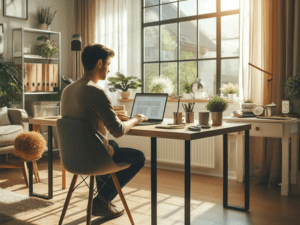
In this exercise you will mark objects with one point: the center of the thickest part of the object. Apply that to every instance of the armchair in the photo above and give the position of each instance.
(8, 133)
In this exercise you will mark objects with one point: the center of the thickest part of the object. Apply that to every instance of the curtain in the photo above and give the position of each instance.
(274, 47)
(111, 31)
(85, 26)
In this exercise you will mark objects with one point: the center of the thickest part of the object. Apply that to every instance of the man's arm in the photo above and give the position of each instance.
(138, 118)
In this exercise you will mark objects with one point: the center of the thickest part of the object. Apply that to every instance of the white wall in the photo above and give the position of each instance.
(63, 22)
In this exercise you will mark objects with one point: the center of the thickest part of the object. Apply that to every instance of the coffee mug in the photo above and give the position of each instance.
(203, 118)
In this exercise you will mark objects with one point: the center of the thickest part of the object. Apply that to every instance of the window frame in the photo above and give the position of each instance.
(218, 15)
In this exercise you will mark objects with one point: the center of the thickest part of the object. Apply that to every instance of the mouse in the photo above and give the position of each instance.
(195, 128)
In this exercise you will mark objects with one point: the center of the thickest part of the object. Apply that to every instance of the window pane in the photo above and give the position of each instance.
(169, 71)
(188, 8)
(187, 74)
(151, 70)
(208, 73)
(188, 40)
(166, 1)
(207, 38)
(230, 5)
(151, 43)
(151, 14)
(230, 35)
(169, 11)
(169, 41)
(151, 2)
(229, 72)
(206, 6)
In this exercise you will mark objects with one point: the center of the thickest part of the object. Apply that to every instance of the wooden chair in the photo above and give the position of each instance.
(82, 152)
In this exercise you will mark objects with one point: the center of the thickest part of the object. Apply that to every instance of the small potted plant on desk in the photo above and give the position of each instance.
(124, 83)
(217, 105)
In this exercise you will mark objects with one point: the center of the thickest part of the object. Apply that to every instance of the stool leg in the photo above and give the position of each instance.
(90, 203)
(25, 173)
(35, 172)
(74, 180)
(116, 182)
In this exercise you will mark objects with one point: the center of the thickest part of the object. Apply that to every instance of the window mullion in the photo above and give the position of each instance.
(218, 78)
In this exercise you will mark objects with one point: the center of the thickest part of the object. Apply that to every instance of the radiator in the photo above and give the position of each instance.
(172, 151)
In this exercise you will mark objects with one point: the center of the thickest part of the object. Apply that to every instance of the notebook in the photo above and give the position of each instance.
(152, 105)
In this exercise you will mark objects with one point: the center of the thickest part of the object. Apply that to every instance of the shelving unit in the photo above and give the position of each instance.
(26, 38)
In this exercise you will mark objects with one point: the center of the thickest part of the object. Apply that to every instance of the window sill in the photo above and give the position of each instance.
(175, 100)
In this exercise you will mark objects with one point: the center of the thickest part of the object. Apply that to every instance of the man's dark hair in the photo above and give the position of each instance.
(92, 53)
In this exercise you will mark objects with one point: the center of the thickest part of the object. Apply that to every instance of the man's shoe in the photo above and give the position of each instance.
(106, 209)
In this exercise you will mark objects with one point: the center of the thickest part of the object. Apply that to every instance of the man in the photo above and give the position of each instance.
(85, 100)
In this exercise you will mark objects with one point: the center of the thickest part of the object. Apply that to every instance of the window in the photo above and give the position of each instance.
(186, 39)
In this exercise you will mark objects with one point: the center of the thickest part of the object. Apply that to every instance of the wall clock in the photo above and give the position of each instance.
(15, 9)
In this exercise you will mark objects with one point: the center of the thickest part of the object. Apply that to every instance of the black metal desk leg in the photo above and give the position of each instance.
(247, 170)
(50, 169)
(225, 170)
(153, 180)
(187, 182)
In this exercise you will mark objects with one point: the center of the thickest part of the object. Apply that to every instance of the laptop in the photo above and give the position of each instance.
(152, 105)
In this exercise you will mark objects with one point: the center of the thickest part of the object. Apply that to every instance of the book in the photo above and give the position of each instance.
(241, 114)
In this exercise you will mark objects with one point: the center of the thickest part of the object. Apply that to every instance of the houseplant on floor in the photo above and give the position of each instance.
(10, 83)
(124, 83)
(217, 105)
(44, 18)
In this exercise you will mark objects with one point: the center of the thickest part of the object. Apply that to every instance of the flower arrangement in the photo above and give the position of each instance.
(44, 15)
(47, 48)
(217, 104)
(161, 85)
(124, 83)
(292, 88)
(10, 83)
(230, 88)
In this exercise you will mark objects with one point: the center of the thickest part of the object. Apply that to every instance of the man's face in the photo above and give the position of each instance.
(104, 70)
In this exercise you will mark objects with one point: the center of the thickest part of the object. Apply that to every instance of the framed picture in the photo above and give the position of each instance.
(1, 39)
(15, 9)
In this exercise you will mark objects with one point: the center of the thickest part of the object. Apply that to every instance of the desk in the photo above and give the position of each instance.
(188, 136)
(284, 129)
(34, 125)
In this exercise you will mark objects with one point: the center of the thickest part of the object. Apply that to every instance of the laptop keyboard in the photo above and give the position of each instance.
(147, 123)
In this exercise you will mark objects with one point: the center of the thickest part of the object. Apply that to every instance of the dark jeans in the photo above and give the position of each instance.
(136, 158)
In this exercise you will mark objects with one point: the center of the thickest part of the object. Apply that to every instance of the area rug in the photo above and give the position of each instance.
(13, 205)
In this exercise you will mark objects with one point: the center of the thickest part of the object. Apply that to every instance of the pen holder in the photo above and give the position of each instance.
(177, 117)
(189, 117)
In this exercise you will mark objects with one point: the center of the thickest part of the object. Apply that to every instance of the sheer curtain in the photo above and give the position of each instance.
(111, 31)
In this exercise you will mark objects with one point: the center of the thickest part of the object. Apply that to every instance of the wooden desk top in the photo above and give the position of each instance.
(151, 131)
(185, 134)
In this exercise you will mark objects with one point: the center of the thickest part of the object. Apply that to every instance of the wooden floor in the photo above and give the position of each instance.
(266, 204)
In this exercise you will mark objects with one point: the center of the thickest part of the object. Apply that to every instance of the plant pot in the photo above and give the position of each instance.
(231, 96)
(187, 96)
(216, 118)
(43, 26)
(125, 94)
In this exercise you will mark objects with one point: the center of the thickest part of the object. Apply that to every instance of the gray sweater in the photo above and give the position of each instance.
(86, 101)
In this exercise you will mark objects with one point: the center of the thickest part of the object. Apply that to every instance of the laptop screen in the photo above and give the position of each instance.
(152, 105)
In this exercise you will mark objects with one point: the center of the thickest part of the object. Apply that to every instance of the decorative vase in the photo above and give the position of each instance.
(198, 88)
(125, 94)
(231, 96)
(43, 26)
(216, 118)
(187, 96)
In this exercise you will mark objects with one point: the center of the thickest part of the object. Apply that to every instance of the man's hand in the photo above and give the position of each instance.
(141, 117)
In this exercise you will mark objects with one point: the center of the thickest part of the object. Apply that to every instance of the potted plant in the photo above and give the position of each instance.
(161, 85)
(10, 83)
(292, 90)
(124, 83)
(44, 17)
(231, 90)
(217, 105)
(47, 48)
(188, 91)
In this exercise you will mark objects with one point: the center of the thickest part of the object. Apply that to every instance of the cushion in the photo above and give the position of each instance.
(9, 133)
(4, 120)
